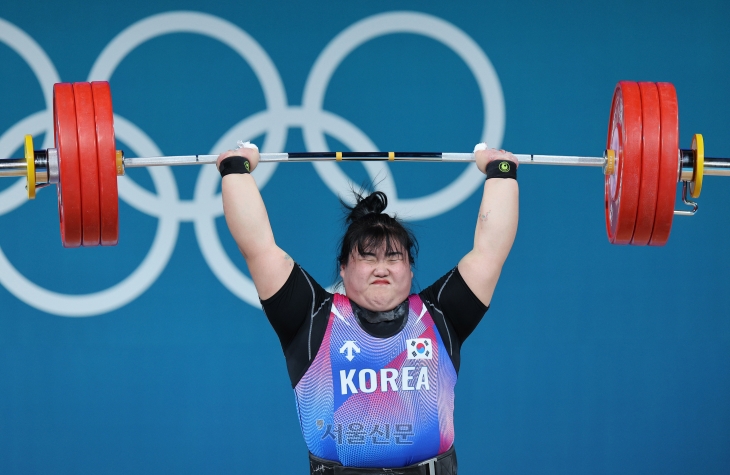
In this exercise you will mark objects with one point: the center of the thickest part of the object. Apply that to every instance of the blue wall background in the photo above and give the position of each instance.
(593, 358)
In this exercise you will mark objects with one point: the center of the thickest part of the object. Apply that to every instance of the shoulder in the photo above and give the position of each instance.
(454, 300)
(299, 313)
(294, 303)
(432, 294)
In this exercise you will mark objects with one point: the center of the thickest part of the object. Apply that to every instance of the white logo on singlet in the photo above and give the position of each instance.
(387, 379)
(349, 347)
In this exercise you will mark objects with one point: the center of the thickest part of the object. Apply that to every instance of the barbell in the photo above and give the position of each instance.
(642, 164)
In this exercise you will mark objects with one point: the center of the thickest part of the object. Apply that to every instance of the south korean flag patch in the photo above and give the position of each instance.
(419, 349)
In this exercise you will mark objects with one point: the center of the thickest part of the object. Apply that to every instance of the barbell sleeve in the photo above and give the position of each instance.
(10, 167)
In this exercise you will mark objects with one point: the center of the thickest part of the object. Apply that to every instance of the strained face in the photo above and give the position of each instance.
(377, 280)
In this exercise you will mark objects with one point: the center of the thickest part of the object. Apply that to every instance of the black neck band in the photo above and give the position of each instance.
(377, 317)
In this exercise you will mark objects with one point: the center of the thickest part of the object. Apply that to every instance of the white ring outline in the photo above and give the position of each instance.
(432, 27)
(203, 211)
(167, 205)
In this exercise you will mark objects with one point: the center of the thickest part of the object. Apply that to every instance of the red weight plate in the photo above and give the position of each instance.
(669, 165)
(651, 131)
(107, 154)
(622, 187)
(69, 186)
(89, 168)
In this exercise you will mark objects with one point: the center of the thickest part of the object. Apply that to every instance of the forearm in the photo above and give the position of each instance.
(495, 232)
(246, 215)
(249, 224)
(497, 220)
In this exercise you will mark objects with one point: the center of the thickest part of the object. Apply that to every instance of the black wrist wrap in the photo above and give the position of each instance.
(234, 164)
(502, 169)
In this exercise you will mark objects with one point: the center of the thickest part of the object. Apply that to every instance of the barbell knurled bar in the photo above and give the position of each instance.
(642, 164)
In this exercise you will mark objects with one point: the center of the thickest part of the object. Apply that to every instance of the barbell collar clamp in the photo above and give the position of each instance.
(53, 170)
(609, 162)
(687, 201)
(120, 162)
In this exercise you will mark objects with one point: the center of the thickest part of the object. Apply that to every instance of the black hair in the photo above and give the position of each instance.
(368, 228)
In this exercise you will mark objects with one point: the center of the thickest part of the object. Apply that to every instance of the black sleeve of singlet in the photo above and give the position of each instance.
(455, 309)
(296, 313)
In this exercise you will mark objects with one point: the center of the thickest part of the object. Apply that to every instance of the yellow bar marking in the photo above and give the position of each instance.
(391, 156)
(338, 156)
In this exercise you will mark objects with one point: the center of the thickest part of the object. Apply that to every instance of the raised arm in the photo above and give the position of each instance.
(496, 228)
(249, 224)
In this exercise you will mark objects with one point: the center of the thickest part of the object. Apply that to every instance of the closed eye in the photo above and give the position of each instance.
(394, 257)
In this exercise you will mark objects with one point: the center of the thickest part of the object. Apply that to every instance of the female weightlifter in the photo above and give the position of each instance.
(374, 370)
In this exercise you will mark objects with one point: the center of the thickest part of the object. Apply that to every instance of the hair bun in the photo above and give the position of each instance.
(374, 203)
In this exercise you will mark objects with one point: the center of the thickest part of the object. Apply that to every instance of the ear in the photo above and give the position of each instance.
(342, 271)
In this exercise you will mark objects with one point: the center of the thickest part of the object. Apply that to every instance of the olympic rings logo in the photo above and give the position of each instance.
(274, 121)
